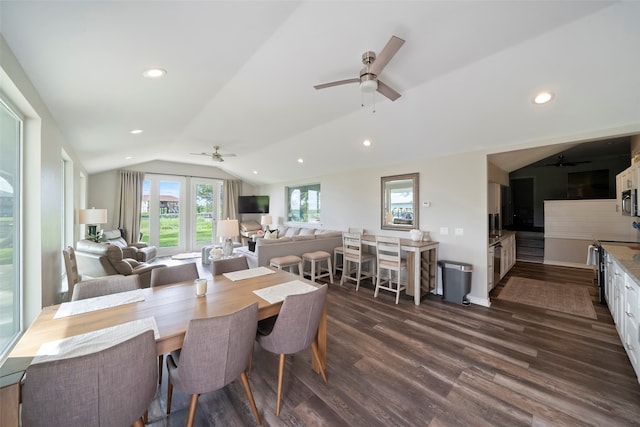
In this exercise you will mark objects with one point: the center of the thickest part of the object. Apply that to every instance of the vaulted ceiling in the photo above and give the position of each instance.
(241, 74)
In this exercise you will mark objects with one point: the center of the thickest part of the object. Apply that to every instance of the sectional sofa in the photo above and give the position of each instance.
(291, 241)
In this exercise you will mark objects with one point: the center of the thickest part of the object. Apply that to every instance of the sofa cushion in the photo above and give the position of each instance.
(263, 242)
(250, 226)
(307, 231)
(292, 231)
(328, 233)
(303, 237)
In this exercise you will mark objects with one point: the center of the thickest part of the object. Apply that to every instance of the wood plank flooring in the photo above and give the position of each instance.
(440, 364)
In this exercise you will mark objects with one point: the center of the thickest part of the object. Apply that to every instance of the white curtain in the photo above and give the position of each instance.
(129, 204)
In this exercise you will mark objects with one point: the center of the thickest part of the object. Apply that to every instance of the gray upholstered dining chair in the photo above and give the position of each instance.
(227, 265)
(112, 387)
(215, 352)
(174, 274)
(105, 286)
(295, 329)
(71, 268)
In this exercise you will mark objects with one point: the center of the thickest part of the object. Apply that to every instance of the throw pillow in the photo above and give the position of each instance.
(271, 235)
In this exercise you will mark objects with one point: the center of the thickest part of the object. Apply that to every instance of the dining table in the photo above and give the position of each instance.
(171, 306)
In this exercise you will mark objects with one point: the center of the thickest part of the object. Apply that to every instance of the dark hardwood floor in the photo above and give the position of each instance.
(440, 364)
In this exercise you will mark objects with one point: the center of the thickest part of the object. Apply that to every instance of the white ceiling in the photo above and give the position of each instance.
(241, 75)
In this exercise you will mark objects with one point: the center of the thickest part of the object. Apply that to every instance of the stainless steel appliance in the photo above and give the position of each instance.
(630, 202)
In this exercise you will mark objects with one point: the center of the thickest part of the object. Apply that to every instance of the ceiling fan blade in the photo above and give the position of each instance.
(337, 83)
(385, 55)
(228, 155)
(202, 154)
(387, 91)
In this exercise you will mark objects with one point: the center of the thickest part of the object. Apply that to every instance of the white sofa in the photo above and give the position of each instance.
(292, 241)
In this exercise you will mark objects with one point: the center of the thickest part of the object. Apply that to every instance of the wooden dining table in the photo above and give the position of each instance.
(172, 306)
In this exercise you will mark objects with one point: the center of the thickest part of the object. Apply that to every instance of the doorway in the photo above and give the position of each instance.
(522, 203)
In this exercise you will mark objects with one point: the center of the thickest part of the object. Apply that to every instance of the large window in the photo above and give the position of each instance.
(10, 179)
(179, 213)
(303, 203)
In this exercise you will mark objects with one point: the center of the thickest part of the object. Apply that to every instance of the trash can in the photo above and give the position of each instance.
(456, 281)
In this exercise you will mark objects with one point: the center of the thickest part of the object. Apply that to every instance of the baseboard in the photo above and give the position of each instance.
(486, 302)
(570, 264)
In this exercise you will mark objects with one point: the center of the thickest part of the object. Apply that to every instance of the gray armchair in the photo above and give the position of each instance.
(103, 259)
(139, 251)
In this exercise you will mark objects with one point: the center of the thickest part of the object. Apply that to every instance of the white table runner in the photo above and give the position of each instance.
(98, 303)
(248, 274)
(277, 293)
(95, 341)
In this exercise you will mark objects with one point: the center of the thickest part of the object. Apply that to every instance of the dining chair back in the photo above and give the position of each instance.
(112, 387)
(227, 265)
(71, 268)
(294, 330)
(174, 274)
(339, 251)
(354, 253)
(105, 286)
(215, 352)
(389, 261)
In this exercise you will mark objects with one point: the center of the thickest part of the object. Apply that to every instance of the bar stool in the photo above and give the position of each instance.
(339, 251)
(288, 261)
(317, 270)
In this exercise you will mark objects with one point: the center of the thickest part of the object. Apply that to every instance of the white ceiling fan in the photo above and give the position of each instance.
(373, 66)
(215, 156)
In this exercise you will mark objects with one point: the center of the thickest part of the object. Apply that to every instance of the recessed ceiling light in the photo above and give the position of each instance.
(154, 73)
(543, 98)
(300, 160)
(255, 172)
(128, 158)
(366, 143)
(136, 131)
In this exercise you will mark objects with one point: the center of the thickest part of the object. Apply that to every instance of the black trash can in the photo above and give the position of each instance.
(456, 281)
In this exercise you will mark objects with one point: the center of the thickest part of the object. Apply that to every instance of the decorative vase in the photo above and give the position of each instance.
(416, 235)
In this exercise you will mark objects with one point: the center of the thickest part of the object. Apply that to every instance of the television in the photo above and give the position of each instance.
(253, 204)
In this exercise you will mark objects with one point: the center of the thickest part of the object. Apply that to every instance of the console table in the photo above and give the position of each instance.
(422, 265)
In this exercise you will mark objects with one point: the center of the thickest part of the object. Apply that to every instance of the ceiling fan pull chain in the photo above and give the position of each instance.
(373, 95)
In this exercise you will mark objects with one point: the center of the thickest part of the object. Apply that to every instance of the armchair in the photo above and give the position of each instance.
(139, 251)
(101, 259)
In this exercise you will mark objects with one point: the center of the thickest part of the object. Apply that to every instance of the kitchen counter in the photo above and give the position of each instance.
(505, 234)
(628, 255)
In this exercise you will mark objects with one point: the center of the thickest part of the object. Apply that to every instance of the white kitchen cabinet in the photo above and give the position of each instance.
(490, 267)
(630, 319)
(493, 198)
(622, 294)
(507, 254)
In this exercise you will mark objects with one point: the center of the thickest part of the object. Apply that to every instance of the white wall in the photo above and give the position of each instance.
(43, 197)
(455, 186)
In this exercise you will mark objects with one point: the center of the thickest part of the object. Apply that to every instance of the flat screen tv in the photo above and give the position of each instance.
(253, 204)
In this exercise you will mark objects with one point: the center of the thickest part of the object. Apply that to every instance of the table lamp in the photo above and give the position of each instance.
(266, 220)
(92, 217)
(228, 228)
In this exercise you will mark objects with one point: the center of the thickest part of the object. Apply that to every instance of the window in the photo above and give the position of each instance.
(303, 203)
(10, 236)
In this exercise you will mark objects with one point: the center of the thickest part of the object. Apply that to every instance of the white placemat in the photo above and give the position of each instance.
(95, 341)
(248, 274)
(98, 303)
(278, 293)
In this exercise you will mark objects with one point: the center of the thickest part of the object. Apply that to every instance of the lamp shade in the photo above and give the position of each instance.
(228, 228)
(266, 220)
(92, 216)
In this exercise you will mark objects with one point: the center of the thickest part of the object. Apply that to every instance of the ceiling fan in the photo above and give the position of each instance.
(562, 162)
(215, 156)
(373, 66)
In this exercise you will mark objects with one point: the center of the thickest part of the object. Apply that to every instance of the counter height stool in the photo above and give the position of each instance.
(288, 261)
(354, 253)
(339, 251)
(315, 260)
(390, 260)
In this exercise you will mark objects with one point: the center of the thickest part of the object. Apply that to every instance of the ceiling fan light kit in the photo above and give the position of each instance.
(374, 65)
(215, 156)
